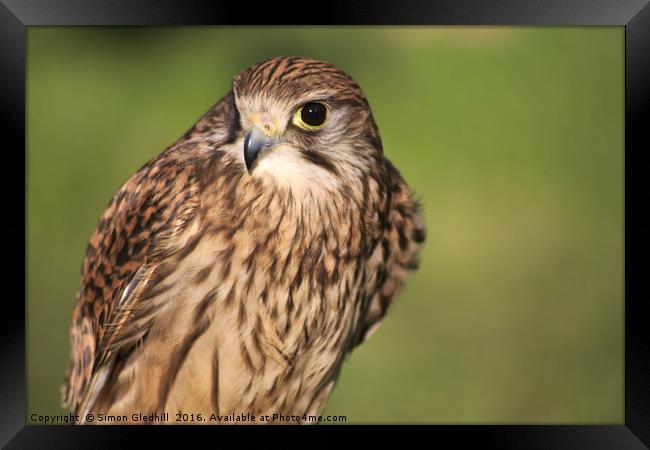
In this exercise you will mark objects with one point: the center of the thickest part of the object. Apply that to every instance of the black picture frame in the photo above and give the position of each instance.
(634, 15)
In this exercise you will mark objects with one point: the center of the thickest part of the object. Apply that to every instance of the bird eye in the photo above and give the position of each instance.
(311, 116)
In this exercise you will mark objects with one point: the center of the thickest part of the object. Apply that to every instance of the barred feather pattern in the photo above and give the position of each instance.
(210, 289)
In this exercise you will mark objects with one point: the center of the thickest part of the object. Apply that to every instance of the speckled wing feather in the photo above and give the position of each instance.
(125, 257)
(403, 233)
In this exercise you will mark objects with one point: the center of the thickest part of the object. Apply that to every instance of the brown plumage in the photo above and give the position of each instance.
(235, 270)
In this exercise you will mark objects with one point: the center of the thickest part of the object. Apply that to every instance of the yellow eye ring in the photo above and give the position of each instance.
(311, 116)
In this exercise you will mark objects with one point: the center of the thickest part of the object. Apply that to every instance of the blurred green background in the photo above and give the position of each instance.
(512, 138)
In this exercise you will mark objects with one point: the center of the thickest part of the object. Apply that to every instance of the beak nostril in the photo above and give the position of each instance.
(267, 127)
(255, 141)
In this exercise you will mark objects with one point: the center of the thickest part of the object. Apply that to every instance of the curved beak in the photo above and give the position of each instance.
(254, 142)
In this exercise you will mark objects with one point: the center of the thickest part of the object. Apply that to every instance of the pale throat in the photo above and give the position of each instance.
(284, 167)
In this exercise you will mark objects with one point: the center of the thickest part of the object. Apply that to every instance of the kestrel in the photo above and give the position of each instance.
(235, 270)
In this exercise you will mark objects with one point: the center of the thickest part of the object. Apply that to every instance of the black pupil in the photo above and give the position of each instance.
(314, 114)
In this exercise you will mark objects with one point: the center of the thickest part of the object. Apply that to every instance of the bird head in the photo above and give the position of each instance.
(304, 120)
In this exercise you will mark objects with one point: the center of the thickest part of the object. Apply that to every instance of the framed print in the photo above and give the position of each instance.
(434, 210)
